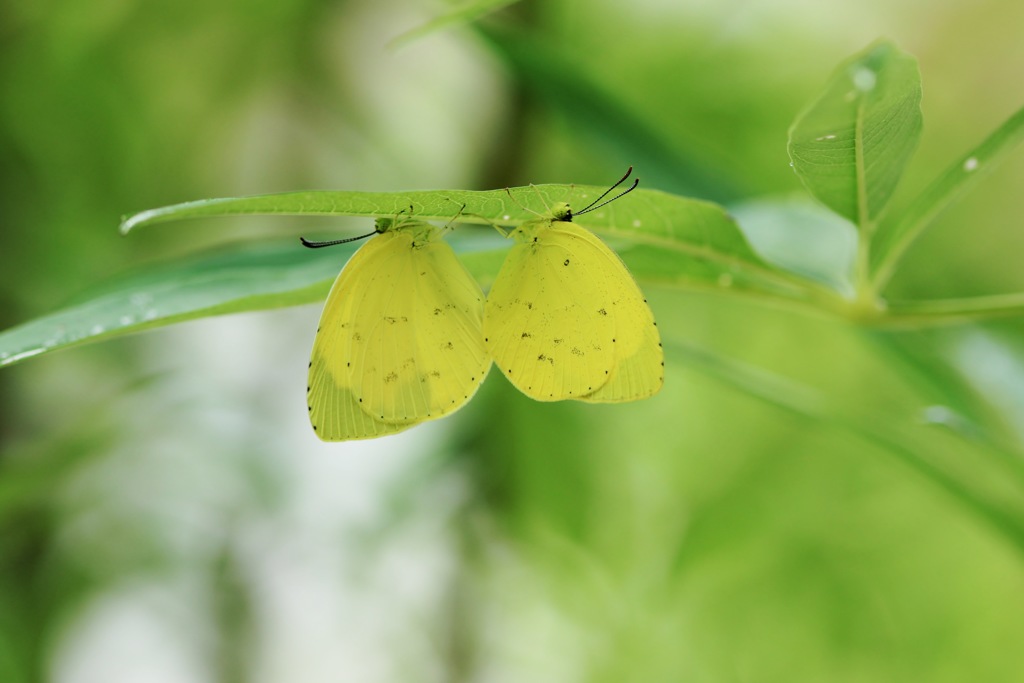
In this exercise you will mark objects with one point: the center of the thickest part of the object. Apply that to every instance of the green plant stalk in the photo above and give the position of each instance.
(785, 286)
(462, 15)
(945, 312)
(867, 302)
(960, 177)
(1001, 453)
(808, 403)
(865, 226)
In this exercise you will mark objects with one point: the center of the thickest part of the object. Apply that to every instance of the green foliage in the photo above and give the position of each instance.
(463, 14)
(822, 443)
(244, 278)
(871, 106)
(851, 146)
(896, 235)
(247, 278)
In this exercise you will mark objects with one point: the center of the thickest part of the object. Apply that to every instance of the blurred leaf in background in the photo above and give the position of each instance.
(807, 499)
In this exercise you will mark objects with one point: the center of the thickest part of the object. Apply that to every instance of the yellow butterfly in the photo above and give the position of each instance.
(566, 320)
(400, 340)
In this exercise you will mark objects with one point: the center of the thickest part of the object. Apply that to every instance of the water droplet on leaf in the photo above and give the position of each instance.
(864, 79)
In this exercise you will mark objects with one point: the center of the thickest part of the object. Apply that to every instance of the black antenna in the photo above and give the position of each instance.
(331, 243)
(592, 207)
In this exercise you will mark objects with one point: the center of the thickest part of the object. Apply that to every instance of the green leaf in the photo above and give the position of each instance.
(464, 14)
(245, 277)
(671, 240)
(249, 278)
(850, 146)
(688, 226)
(802, 237)
(895, 237)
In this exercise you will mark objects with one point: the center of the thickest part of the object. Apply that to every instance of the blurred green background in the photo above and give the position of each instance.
(804, 501)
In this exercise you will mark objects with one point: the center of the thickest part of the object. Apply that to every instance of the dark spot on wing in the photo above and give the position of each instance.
(525, 335)
(566, 262)
(390, 377)
(602, 311)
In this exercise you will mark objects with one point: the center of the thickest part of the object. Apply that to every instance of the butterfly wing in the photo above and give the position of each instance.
(566, 320)
(421, 355)
(335, 412)
(334, 409)
(639, 368)
(399, 340)
(542, 322)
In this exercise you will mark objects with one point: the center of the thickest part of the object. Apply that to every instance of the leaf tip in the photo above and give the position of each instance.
(128, 223)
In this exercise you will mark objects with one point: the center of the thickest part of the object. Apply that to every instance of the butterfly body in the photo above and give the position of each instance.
(400, 338)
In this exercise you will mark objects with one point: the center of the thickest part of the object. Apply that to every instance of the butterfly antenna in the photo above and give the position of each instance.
(331, 243)
(594, 206)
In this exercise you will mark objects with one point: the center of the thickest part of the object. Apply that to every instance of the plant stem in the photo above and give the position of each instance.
(943, 312)
(867, 303)
(808, 403)
(961, 176)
